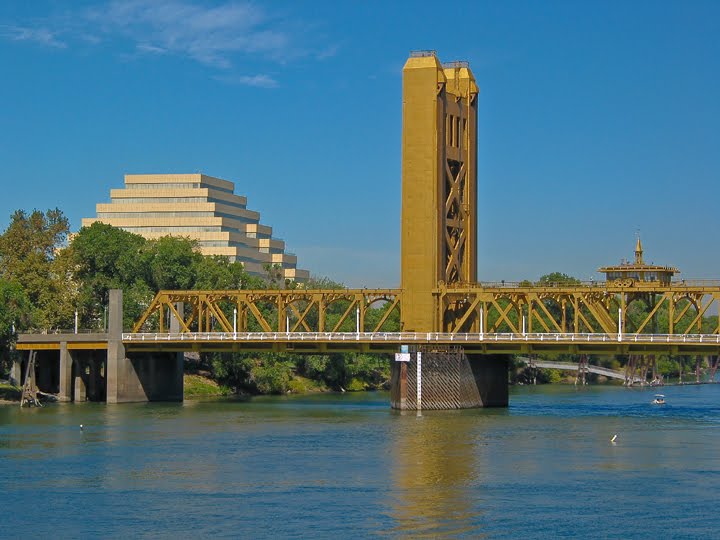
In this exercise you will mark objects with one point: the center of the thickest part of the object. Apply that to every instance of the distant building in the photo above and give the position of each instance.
(200, 207)
(627, 273)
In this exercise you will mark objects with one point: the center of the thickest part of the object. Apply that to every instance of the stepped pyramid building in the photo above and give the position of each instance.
(203, 208)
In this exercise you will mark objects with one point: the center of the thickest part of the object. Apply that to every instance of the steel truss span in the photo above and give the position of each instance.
(604, 308)
(640, 312)
(361, 310)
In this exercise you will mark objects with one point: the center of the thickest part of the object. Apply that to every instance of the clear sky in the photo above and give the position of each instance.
(596, 120)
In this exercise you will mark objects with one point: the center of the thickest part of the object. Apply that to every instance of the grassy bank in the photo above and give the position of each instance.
(9, 392)
(199, 386)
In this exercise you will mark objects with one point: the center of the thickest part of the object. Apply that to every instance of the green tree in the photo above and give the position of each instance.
(109, 254)
(323, 283)
(218, 273)
(106, 257)
(28, 248)
(271, 373)
(558, 278)
(172, 263)
(15, 312)
(274, 275)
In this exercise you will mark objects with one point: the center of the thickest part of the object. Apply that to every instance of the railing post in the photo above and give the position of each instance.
(482, 323)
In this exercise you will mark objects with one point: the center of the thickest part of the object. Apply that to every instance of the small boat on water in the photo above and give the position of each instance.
(659, 399)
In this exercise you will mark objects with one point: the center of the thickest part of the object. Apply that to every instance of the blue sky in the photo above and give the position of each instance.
(596, 120)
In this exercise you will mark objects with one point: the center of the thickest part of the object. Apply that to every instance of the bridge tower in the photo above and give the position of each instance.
(439, 185)
(439, 237)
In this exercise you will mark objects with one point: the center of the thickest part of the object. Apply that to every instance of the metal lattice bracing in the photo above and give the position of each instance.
(456, 222)
(676, 309)
(366, 310)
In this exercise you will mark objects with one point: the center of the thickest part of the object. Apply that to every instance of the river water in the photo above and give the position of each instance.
(347, 466)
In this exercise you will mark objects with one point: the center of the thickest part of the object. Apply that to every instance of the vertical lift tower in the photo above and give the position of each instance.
(439, 235)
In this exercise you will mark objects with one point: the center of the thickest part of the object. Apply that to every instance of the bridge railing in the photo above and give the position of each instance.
(600, 284)
(419, 337)
(54, 331)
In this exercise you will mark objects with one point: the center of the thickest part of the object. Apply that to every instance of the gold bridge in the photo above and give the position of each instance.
(492, 317)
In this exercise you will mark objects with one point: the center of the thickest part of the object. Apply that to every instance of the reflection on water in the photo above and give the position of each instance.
(437, 464)
(346, 465)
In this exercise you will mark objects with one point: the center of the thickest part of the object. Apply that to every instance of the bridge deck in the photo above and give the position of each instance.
(391, 341)
(386, 342)
(81, 341)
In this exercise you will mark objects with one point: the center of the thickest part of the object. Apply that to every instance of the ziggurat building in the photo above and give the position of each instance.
(200, 207)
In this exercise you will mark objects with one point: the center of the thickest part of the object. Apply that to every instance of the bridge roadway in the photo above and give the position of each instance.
(389, 342)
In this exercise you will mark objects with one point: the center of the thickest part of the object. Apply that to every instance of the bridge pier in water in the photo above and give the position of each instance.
(449, 379)
(153, 376)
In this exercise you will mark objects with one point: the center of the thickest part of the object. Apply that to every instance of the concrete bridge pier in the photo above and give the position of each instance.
(436, 379)
(65, 391)
(16, 371)
(142, 377)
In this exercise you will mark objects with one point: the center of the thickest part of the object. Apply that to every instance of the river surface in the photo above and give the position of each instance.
(347, 466)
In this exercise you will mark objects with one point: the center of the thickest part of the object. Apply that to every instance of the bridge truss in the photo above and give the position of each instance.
(588, 318)
(611, 308)
(337, 310)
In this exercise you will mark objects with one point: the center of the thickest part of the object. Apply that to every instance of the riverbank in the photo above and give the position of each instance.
(198, 386)
(9, 393)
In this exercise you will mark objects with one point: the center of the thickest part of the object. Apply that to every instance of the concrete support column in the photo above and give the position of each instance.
(177, 391)
(122, 381)
(174, 323)
(490, 373)
(176, 369)
(66, 363)
(16, 374)
(80, 392)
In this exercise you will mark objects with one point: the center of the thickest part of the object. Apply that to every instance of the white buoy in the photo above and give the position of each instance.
(614, 438)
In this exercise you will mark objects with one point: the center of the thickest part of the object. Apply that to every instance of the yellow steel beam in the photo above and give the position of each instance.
(395, 304)
(652, 314)
(38, 346)
(470, 311)
(87, 346)
(345, 315)
(547, 314)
